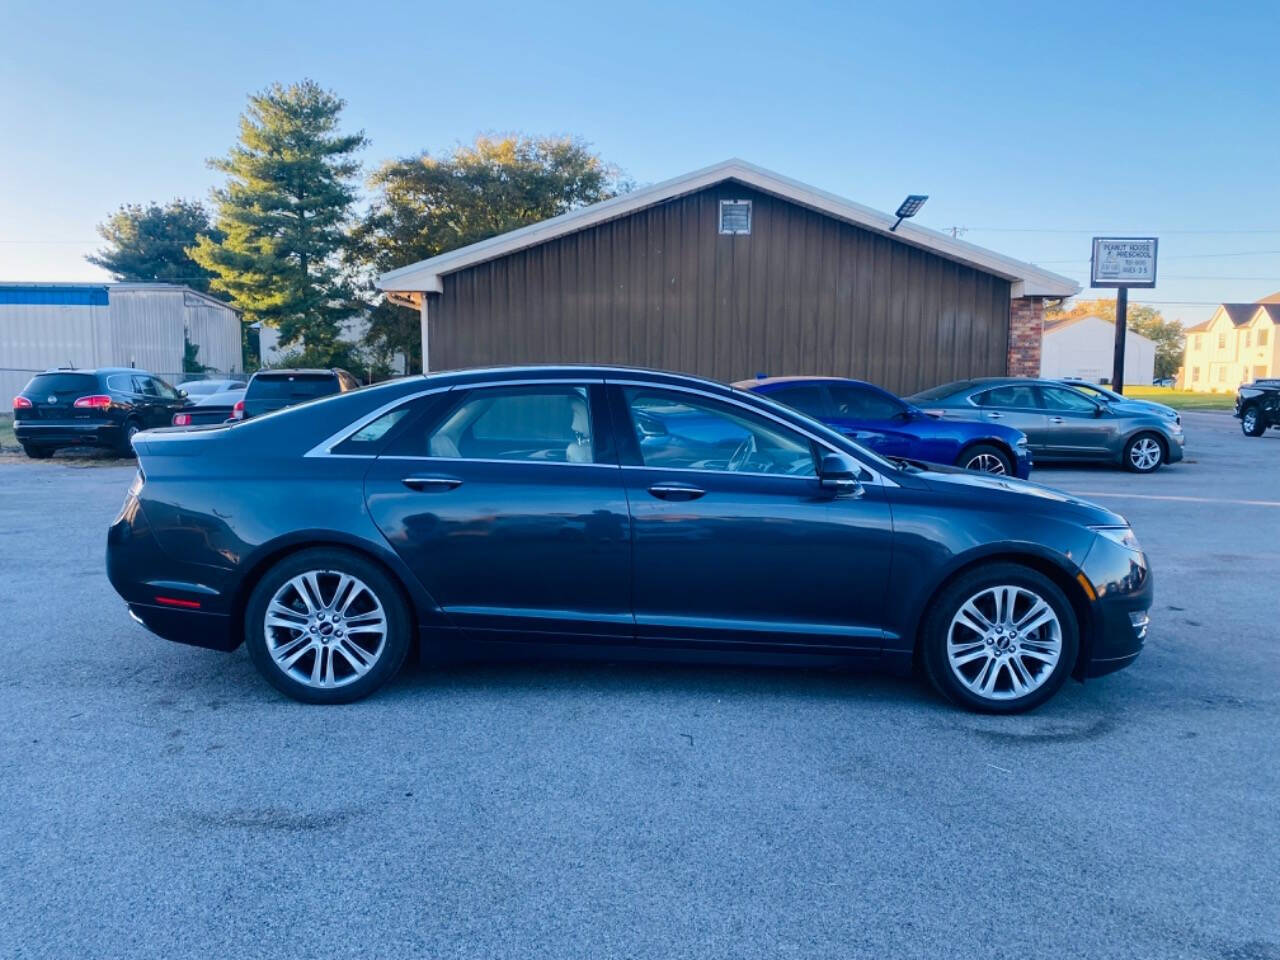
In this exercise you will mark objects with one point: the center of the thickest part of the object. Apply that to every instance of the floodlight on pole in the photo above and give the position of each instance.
(909, 208)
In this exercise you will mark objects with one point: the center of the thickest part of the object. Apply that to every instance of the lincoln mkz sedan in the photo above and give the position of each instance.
(616, 514)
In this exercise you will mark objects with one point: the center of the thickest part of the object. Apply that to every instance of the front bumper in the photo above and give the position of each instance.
(67, 433)
(1022, 463)
(1120, 581)
(1176, 444)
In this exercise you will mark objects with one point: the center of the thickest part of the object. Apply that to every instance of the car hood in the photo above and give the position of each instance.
(958, 480)
(1142, 406)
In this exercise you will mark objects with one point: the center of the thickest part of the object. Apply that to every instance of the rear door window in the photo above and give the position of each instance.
(809, 399)
(539, 423)
(1011, 395)
(860, 403)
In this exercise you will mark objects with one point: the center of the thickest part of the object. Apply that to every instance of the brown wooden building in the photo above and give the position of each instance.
(729, 272)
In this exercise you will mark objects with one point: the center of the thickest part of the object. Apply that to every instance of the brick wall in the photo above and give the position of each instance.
(1026, 329)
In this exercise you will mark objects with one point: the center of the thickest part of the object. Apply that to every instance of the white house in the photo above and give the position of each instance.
(1084, 347)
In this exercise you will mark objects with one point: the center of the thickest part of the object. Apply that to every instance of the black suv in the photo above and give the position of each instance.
(93, 408)
(1258, 406)
(275, 389)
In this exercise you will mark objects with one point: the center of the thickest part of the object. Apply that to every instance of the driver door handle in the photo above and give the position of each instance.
(425, 484)
(676, 491)
(994, 415)
(1055, 420)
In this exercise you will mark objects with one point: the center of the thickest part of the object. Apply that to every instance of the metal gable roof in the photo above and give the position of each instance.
(1027, 279)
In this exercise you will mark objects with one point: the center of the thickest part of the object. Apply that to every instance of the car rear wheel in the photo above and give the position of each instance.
(1000, 639)
(37, 453)
(1251, 421)
(1144, 453)
(131, 429)
(327, 626)
(985, 458)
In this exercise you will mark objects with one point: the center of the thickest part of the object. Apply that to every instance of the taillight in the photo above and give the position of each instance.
(21, 403)
(97, 401)
(182, 419)
(237, 411)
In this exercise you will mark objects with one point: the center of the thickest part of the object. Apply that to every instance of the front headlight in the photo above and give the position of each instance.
(1122, 535)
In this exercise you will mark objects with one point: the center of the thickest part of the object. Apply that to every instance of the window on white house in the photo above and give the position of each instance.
(1247, 337)
(1197, 341)
(735, 217)
(1222, 341)
(1262, 338)
(1195, 374)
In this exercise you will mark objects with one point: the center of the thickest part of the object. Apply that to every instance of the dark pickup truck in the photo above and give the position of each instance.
(1258, 406)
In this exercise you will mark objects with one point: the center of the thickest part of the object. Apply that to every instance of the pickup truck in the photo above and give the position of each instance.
(1258, 406)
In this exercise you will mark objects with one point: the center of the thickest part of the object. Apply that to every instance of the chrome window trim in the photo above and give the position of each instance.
(325, 447)
(876, 475)
(455, 460)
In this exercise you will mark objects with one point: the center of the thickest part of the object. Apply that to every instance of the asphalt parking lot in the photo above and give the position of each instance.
(162, 801)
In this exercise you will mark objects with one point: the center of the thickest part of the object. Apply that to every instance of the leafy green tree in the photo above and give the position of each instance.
(426, 205)
(148, 242)
(1168, 335)
(283, 213)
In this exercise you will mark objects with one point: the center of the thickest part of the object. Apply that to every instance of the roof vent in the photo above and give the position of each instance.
(735, 216)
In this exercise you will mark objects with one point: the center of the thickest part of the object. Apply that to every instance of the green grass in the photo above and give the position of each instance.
(1184, 399)
(6, 431)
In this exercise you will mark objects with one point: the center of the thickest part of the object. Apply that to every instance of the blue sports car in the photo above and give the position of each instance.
(892, 427)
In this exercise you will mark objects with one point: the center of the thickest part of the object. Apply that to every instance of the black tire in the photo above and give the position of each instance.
(37, 453)
(937, 626)
(1131, 460)
(1251, 422)
(125, 447)
(330, 561)
(972, 458)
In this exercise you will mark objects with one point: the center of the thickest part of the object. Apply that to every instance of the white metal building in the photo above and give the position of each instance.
(142, 325)
(1084, 347)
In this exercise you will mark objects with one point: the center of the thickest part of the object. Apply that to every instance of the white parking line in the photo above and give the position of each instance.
(1154, 496)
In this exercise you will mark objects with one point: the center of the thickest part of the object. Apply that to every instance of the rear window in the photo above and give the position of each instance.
(61, 384)
(295, 387)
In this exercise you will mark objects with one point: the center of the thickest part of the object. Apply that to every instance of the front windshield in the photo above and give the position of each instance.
(820, 429)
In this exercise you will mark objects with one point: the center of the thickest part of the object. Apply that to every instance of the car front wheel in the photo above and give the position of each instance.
(1144, 453)
(985, 459)
(1251, 421)
(1000, 639)
(327, 626)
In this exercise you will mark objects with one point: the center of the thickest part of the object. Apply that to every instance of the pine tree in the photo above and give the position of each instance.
(288, 197)
(148, 242)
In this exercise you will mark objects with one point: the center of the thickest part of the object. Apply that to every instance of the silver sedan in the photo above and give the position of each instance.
(1061, 422)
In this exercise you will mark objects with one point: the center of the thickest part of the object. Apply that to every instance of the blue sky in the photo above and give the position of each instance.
(1033, 124)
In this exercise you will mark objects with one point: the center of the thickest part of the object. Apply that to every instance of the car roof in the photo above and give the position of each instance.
(299, 371)
(91, 371)
(771, 381)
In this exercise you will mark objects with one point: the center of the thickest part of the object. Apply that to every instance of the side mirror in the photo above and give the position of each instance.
(904, 416)
(1099, 410)
(839, 474)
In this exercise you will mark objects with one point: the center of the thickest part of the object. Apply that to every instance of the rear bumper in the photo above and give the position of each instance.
(67, 433)
(173, 599)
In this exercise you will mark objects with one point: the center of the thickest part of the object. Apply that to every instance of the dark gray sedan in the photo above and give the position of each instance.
(1061, 422)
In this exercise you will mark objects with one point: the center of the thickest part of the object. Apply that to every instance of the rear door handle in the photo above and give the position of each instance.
(424, 484)
(1055, 419)
(676, 491)
(993, 415)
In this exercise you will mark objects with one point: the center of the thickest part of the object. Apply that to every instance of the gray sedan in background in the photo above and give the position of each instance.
(1109, 396)
(1061, 422)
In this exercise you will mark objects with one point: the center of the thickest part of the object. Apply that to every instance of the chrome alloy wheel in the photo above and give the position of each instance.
(1004, 642)
(1250, 421)
(1145, 454)
(986, 463)
(325, 628)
